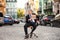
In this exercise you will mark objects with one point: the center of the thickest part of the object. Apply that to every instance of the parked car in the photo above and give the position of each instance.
(16, 21)
(56, 21)
(8, 20)
(1, 19)
(47, 19)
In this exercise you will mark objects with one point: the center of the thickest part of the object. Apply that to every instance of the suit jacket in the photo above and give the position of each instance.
(27, 17)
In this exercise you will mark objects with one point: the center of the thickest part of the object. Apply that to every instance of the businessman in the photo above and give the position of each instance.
(30, 22)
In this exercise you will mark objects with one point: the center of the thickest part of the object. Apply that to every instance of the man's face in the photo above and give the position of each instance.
(29, 12)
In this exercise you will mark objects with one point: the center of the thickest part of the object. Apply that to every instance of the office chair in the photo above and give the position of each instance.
(32, 33)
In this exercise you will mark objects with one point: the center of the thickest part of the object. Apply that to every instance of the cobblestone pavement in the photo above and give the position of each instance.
(16, 32)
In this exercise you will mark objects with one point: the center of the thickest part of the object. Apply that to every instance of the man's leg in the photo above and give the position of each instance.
(33, 29)
(26, 31)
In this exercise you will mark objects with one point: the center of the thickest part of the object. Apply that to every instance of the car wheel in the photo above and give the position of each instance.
(18, 23)
(53, 24)
(11, 24)
(44, 24)
(0, 24)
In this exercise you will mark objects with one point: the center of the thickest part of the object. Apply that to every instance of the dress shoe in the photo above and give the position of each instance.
(26, 37)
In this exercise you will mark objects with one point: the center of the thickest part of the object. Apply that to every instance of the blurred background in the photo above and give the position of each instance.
(17, 9)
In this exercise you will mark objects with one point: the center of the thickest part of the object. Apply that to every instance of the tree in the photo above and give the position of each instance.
(20, 13)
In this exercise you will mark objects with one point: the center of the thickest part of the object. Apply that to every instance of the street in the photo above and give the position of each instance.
(16, 32)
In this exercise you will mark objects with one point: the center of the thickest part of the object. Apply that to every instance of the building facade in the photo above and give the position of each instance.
(11, 8)
(3, 6)
(56, 7)
(45, 6)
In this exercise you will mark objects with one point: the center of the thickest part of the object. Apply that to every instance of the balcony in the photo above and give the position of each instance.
(1, 5)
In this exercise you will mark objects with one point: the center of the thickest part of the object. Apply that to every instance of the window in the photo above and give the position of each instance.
(7, 0)
(0, 4)
(11, 0)
(1, 14)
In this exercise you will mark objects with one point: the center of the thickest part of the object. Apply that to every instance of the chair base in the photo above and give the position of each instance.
(34, 35)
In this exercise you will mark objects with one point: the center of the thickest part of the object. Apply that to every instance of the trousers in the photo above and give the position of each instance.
(33, 24)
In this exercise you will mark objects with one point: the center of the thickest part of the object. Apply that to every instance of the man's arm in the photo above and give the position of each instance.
(27, 18)
(37, 19)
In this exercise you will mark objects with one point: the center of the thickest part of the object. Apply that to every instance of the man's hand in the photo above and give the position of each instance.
(29, 19)
(38, 22)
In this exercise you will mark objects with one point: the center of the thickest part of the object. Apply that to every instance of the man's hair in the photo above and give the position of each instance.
(33, 14)
(27, 3)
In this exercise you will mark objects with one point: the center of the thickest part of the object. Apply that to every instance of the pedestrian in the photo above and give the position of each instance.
(29, 23)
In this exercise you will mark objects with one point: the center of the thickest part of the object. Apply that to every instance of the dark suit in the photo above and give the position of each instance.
(29, 23)
(27, 17)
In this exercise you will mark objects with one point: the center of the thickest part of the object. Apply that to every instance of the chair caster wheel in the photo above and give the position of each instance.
(36, 36)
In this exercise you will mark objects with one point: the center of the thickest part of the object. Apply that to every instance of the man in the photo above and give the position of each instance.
(29, 23)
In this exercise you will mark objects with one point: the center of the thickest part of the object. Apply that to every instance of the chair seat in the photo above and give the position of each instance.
(30, 27)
